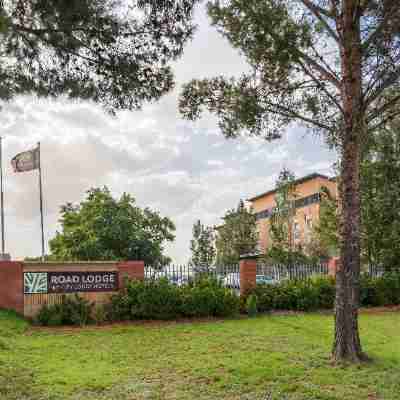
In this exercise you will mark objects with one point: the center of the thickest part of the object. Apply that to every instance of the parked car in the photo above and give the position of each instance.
(265, 280)
(178, 280)
(232, 280)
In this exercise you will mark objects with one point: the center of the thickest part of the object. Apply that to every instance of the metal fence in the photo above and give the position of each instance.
(229, 275)
(279, 272)
(180, 275)
(377, 271)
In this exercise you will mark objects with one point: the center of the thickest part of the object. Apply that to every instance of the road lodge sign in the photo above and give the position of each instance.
(70, 282)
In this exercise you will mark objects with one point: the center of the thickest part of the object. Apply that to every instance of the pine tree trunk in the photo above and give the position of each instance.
(347, 345)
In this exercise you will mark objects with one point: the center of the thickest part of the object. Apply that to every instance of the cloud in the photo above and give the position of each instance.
(187, 171)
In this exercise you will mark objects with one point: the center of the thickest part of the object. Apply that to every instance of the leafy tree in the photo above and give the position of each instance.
(380, 198)
(281, 225)
(236, 236)
(104, 228)
(115, 53)
(380, 202)
(332, 65)
(202, 246)
(325, 237)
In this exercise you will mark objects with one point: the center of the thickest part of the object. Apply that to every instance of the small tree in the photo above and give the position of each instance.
(282, 219)
(236, 236)
(202, 247)
(104, 228)
(325, 234)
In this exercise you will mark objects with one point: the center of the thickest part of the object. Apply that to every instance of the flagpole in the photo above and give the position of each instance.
(41, 202)
(2, 198)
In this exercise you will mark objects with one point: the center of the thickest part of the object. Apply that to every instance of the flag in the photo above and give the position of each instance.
(26, 161)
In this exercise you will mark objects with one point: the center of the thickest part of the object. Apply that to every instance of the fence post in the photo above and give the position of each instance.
(248, 272)
(130, 270)
(333, 266)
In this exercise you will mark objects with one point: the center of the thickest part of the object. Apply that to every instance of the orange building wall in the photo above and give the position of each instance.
(304, 189)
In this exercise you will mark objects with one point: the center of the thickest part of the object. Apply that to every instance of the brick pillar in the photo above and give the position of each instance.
(248, 272)
(333, 266)
(130, 270)
(12, 286)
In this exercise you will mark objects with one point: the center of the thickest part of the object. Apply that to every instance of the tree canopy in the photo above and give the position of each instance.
(236, 236)
(115, 53)
(202, 246)
(380, 199)
(104, 228)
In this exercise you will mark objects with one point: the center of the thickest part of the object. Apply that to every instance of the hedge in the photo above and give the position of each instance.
(148, 299)
(319, 293)
(160, 299)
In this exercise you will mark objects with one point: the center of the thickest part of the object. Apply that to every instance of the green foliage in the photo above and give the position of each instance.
(71, 311)
(105, 51)
(161, 300)
(278, 255)
(236, 236)
(380, 202)
(325, 235)
(380, 197)
(281, 224)
(251, 305)
(319, 293)
(100, 314)
(202, 247)
(103, 228)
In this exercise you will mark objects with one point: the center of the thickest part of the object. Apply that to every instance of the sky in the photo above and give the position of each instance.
(186, 171)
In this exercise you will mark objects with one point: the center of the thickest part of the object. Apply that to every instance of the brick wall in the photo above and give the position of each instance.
(333, 266)
(130, 270)
(12, 276)
(248, 272)
(11, 286)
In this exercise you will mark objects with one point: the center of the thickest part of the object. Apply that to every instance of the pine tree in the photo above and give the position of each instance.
(236, 236)
(202, 247)
(112, 53)
(332, 65)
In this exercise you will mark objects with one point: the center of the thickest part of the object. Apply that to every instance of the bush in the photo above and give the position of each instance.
(72, 311)
(160, 299)
(319, 293)
(100, 314)
(297, 295)
(251, 305)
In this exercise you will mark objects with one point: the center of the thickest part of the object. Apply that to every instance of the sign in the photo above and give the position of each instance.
(70, 282)
(35, 282)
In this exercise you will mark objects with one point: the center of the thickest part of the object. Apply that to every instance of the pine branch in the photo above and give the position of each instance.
(318, 11)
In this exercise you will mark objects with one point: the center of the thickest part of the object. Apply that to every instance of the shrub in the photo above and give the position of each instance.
(319, 293)
(371, 294)
(251, 305)
(100, 314)
(160, 299)
(298, 295)
(72, 311)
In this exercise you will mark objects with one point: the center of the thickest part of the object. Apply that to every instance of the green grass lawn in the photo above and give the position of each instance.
(287, 356)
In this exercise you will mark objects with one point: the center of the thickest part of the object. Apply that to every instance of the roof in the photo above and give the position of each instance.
(296, 182)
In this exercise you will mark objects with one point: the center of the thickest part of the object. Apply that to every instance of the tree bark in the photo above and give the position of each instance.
(347, 345)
